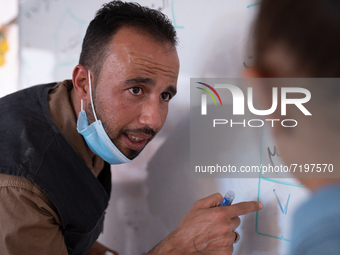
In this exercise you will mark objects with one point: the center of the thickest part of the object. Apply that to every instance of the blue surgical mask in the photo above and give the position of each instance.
(96, 137)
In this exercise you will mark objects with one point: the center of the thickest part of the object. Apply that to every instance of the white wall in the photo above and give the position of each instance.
(10, 69)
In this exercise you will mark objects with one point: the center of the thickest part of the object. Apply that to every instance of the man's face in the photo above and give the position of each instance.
(131, 97)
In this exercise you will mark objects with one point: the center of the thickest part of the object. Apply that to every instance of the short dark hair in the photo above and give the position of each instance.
(115, 15)
(309, 31)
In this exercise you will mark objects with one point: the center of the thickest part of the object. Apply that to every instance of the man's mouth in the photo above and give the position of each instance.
(136, 142)
(135, 138)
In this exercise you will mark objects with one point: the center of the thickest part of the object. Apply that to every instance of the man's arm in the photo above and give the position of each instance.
(99, 249)
(206, 229)
(28, 224)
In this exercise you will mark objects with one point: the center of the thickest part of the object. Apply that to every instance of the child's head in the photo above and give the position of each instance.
(298, 38)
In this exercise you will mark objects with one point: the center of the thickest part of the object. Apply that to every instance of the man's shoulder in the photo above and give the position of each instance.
(27, 105)
(26, 129)
(21, 185)
(19, 105)
(33, 90)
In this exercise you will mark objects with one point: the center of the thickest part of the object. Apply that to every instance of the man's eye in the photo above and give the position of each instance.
(166, 96)
(136, 90)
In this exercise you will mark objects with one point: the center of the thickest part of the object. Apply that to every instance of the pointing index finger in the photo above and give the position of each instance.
(243, 208)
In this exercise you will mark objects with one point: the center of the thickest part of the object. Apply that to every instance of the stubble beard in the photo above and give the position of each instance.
(131, 154)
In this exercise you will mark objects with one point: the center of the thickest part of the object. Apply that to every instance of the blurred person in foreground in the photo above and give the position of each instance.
(300, 39)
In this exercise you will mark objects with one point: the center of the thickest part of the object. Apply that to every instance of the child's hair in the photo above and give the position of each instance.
(298, 38)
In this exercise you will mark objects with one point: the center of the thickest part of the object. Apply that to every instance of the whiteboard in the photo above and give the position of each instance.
(151, 194)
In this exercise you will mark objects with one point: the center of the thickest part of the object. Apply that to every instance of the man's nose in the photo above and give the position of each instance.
(152, 114)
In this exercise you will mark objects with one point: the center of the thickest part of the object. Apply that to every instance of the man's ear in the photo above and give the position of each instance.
(81, 82)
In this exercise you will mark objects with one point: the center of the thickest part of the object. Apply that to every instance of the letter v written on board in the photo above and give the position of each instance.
(285, 209)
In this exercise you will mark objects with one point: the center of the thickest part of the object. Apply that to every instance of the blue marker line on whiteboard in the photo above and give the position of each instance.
(228, 198)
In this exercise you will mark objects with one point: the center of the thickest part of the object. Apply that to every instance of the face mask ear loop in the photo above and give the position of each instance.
(94, 113)
(81, 105)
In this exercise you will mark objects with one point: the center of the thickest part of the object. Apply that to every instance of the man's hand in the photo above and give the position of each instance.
(207, 228)
(99, 249)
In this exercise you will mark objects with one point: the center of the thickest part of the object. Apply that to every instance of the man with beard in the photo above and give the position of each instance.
(58, 141)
